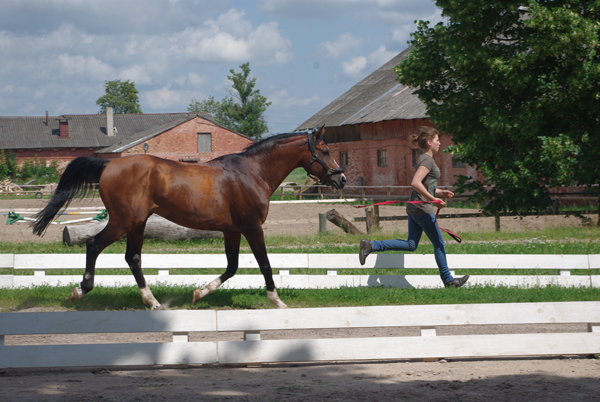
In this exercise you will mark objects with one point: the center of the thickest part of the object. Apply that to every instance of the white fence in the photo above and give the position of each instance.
(41, 264)
(255, 350)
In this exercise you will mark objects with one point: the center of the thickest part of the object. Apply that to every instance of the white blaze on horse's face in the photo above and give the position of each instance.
(337, 179)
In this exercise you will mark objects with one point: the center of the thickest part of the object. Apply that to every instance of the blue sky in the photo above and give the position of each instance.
(57, 54)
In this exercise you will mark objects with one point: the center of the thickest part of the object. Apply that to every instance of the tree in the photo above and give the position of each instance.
(243, 110)
(517, 88)
(122, 96)
(216, 108)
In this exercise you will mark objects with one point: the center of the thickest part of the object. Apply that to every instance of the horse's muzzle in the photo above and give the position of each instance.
(338, 181)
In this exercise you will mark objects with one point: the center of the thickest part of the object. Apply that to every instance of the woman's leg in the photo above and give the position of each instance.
(433, 232)
(410, 244)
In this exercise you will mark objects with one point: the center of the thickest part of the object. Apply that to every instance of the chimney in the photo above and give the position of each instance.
(47, 119)
(110, 125)
(63, 127)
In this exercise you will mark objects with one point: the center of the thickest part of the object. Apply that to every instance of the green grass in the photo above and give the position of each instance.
(551, 241)
(179, 297)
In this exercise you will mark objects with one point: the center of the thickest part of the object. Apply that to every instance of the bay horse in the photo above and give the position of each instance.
(229, 194)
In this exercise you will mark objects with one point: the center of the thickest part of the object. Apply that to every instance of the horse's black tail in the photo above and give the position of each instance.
(76, 181)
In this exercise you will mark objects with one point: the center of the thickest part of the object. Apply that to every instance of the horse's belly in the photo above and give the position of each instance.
(194, 220)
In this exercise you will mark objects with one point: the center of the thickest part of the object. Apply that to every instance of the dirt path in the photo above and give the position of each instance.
(296, 220)
(565, 379)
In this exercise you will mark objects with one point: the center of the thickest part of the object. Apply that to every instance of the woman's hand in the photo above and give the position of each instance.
(439, 203)
(444, 193)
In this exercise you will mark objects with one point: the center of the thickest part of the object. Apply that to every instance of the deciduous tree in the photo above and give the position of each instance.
(122, 96)
(243, 111)
(516, 84)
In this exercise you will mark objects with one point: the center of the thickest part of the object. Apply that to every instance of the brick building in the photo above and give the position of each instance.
(186, 137)
(369, 127)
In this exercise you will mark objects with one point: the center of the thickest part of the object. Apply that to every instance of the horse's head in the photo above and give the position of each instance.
(325, 170)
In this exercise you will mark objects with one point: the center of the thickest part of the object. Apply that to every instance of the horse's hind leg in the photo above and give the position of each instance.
(95, 245)
(232, 251)
(133, 256)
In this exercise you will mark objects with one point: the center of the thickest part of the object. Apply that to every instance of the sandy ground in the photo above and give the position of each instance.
(292, 219)
(560, 378)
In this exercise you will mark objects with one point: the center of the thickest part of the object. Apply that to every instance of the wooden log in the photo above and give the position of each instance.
(341, 222)
(157, 227)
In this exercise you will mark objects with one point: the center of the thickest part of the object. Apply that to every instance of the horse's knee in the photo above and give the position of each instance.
(133, 260)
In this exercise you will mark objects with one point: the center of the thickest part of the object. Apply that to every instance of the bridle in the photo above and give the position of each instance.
(329, 171)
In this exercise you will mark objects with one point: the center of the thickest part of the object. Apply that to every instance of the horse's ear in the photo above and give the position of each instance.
(320, 132)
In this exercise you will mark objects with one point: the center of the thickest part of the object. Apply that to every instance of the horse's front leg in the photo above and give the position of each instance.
(133, 256)
(257, 243)
(232, 251)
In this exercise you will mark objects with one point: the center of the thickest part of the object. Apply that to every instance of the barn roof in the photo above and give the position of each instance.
(377, 97)
(85, 131)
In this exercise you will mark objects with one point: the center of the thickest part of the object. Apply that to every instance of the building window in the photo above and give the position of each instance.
(343, 159)
(415, 155)
(204, 142)
(456, 163)
(382, 158)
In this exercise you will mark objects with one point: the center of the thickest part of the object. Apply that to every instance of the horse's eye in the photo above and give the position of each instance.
(326, 153)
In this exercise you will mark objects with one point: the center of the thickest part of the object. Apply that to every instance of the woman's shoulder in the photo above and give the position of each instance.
(425, 160)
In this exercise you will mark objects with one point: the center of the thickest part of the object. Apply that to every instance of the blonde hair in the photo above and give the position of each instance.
(425, 134)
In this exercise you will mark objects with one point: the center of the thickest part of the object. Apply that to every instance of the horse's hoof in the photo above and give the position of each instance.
(76, 294)
(196, 296)
(159, 307)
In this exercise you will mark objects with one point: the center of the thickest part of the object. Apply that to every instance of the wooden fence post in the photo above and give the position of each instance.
(322, 223)
(370, 220)
(497, 222)
(376, 216)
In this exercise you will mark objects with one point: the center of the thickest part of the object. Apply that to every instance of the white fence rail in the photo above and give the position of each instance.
(41, 264)
(255, 350)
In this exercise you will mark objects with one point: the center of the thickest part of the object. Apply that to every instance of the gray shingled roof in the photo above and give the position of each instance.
(377, 97)
(86, 131)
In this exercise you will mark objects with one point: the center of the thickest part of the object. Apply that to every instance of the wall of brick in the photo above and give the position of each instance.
(394, 138)
(181, 142)
(63, 155)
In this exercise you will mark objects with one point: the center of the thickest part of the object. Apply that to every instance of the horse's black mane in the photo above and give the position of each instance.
(269, 142)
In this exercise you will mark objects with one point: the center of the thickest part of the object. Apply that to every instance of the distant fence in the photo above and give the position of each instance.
(390, 192)
(285, 264)
(253, 349)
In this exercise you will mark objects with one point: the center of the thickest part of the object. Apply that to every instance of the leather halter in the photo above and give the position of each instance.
(329, 171)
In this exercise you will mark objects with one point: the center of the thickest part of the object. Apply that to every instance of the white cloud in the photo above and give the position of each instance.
(162, 98)
(88, 66)
(219, 41)
(354, 67)
(232, 22)
(380, 56)
(339, 46)
(136, 74)
(192, 80)
(283, 99)
(361, 65)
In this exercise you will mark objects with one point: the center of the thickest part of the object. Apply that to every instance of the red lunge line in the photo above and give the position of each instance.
(453, 235)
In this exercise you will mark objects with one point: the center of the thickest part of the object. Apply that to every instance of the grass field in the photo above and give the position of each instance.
(554, 241)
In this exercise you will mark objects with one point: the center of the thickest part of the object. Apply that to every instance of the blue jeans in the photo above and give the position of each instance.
(417, 224)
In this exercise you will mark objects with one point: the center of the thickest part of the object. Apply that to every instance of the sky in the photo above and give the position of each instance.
(57, 54)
